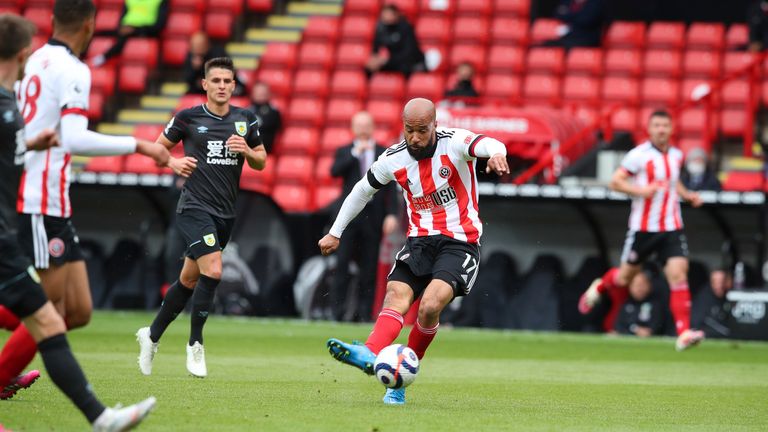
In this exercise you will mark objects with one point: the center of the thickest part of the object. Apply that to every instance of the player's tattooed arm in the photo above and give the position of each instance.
(46, 139)
(256, 157)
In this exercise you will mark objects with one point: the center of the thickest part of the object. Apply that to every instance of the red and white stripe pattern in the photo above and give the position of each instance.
(55, 84)
(441, 191)
(647, 164)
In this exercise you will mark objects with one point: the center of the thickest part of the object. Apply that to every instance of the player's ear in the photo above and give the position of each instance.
(205, 84)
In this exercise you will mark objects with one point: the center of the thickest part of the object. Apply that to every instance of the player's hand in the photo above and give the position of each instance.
(237, 144)
(328, 244)
(648, 191)
(182, 166)
(156, 151)
(694, 199)
(498, 164)
(46, 139)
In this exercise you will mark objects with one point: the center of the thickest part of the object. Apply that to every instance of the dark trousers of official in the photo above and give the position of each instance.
(360, 242)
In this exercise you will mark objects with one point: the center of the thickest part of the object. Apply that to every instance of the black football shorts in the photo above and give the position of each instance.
(640, 245)
(48, 240)
(203, 232)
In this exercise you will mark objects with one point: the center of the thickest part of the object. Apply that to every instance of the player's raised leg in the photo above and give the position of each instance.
(676, 271)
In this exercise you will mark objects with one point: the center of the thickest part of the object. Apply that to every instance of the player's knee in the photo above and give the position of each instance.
(430, 308)
(78, 319)
(45, 323)
(214, 273)
(188, 281)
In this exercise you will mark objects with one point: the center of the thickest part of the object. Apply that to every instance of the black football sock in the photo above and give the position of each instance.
(65, 372)
(202, 303)
(175, 301)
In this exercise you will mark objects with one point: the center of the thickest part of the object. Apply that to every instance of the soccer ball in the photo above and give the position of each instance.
(396, 366)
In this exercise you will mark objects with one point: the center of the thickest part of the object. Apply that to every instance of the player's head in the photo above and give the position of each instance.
(419, 124)
(362, 125)
(75, 19)
(219, 81)
(16, 36)
(660, 128)
(390, 15)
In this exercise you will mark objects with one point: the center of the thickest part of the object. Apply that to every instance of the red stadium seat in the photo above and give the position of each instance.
(100, 45)
(306, 111)
(385, 113)
(333, 138)
(471, 29)
(546, 60)
(474, 7)
(544, 29)
(10, 9)
(189, 101)
(149, 132)
(140, 164)
(103, 80)
(182, 24)
(340, 111)
(260, 6)
(141, 51)
(434, 30)
(174, 51)
(743, 181)
(259, 181)
(279, 80)
(666, 35)
(352, 55)
(105, 164)
(472, 54)
(390, 86)
(584, 61)
(503, 88)
(295, 168)
(733, 122)
(280, 55)
(106, 4)
(663, 63)
(233, 7)
(408, 8)
(704, 64)
(188, 5)
(133, 78)
(316, 55)
(516, 8)
(739, 60)
(107, 20)
(218, 25)
(299, 141)
(693, 121)
(357, 28)
(311, 83)
(326, 195)
(687, 144)
(625, 34)
(623, 62)
(511, 31)
(95, 106)
(581, 89)
(706, 36)
(349, 84)
(41, 17)
(737, 36)
(621, 89)
(625, 119)
(292, 198)
(322, 29)
(660, 91)
(735, 93)
(384, 137)
(506, 58)
(542, 88)
(425, 85)
(365, 8)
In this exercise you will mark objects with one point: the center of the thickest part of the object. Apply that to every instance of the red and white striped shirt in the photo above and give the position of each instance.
(440, 191)
(647, 164)
(55, 84)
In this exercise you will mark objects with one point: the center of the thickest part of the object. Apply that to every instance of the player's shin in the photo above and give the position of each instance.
(18, 352)
(385, 330)
(175, 301)
(680, 305)
(202, 303)
(420, 338)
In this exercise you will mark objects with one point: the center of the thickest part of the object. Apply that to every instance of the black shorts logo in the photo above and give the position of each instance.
(56, 247)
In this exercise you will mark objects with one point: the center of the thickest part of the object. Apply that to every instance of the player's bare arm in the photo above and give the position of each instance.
(156, 151)
(46, 139)
(620, 183)
(256, 157)
(691, 197)
(498, 164)
(183, 166)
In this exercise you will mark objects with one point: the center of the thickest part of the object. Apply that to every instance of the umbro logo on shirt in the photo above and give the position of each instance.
(202, 129)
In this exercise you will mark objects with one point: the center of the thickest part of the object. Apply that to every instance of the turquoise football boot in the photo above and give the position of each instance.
(394, 397)
(355, 354)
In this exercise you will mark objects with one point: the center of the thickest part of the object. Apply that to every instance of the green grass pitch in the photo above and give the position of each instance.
(276, 375)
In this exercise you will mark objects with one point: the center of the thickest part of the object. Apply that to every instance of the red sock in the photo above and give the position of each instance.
(609, 281)
(680, 305)
(18, 352)
(8, 320)
(420, 338)
(385, 331)
(618, 296)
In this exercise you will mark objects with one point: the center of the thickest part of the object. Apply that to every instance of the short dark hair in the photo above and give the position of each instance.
(69, 15)
(15, 33)
(660, 113)
(391, 6)
(221, 63)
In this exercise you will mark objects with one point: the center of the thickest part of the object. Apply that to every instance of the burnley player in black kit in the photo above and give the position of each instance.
(218, 139)
(20, 290)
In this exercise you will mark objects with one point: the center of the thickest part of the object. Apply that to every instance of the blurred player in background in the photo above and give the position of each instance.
(218, 139)
(650, 174)
(435, 166)
(54, 95)
(20, 291)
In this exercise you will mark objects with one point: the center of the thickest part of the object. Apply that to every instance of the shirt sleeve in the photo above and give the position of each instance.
(254, 137)
(176, 129)
(463, 143)
(631, 162)
(379, 174)
(74, 91)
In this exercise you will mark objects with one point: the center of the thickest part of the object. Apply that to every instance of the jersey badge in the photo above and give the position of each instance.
(445, 171)
(56, 247)
(209, 239)
(241, 128)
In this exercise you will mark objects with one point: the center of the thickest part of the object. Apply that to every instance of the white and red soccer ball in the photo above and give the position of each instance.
(396, 366)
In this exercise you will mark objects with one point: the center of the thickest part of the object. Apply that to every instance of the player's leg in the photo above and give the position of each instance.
(78, 304)
(8, 320)
(676, 272)
(175, 299)
(205, 290)
(436, 297)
